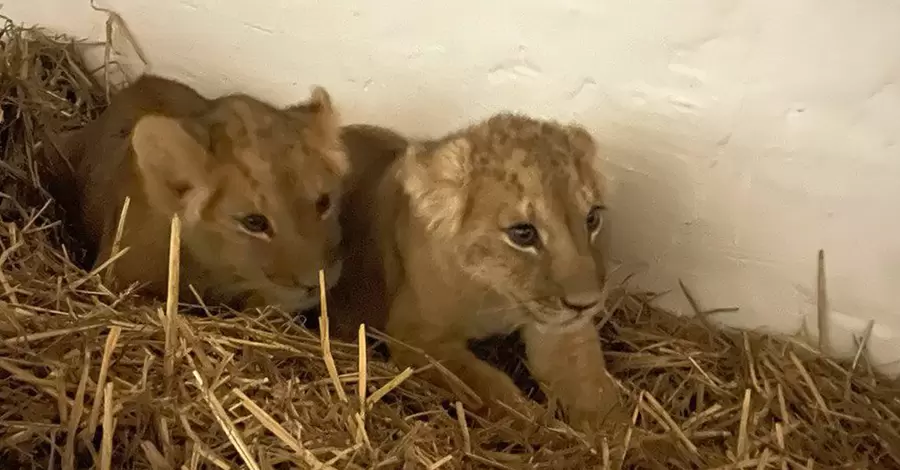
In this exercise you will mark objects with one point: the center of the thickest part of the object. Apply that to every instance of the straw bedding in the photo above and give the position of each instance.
(91, 378)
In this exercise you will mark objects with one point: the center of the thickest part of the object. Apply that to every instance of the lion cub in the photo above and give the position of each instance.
(256, 188)
(491, 229)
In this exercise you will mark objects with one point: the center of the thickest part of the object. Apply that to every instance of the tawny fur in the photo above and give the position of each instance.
(449, 273)
(212, 162)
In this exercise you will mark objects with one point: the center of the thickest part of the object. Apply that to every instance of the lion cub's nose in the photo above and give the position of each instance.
(581, 301)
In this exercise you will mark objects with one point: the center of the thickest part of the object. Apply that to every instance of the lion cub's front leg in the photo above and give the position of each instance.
(489, 383)
(570, 364)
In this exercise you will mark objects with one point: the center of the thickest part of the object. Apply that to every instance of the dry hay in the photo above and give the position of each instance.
(94, 378)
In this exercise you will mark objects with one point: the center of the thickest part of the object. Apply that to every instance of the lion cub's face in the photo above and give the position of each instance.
(258, 190)
(518, 202)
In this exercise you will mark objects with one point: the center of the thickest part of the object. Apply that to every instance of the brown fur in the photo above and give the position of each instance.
(358, 297)
(173, 151)
(451, 274)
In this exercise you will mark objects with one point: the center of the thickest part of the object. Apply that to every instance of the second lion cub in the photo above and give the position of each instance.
(257, 188)
(488, 230)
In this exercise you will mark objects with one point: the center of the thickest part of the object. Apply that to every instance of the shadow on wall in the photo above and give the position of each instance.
(677, 212)
(653, 200)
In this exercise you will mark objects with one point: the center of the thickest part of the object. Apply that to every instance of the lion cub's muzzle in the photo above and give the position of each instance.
(574, 309)
(585, 303)
(302, 292)
(582, 302)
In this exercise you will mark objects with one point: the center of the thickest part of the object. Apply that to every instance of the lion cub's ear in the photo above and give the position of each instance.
(586, 157)
(320, 100)
(436, 183)
(320, 111)
(325, 120)
(173, 164)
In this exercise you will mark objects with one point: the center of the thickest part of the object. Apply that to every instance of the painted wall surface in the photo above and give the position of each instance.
(742, 135)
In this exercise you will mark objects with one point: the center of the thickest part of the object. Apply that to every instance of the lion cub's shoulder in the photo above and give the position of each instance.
(360, 296)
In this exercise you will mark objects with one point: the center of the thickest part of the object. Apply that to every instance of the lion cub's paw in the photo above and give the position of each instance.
(603, 419)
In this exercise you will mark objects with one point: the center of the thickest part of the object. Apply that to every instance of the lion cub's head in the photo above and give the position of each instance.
(517, 204)
(257, 189)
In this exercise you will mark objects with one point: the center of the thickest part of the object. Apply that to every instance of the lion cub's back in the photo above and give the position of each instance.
(149, 94)
(359, 296)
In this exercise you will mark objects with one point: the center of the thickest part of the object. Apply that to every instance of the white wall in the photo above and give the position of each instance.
(743, 135)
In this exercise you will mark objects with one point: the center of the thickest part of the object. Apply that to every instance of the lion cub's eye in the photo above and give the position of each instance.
(323, 203)
(524, 235)
(594, 219)
(255, 223)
